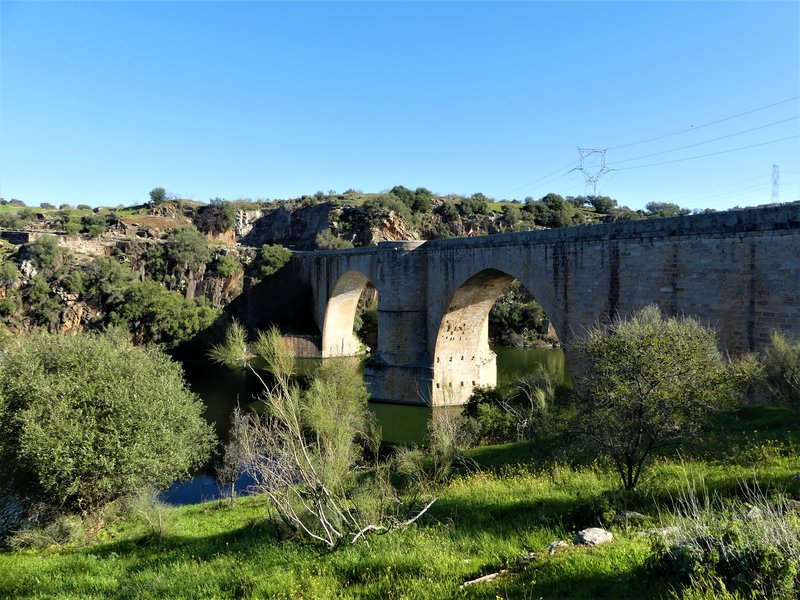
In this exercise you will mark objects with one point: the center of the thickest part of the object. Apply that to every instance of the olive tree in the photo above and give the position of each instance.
(86, 419)
(651, 382)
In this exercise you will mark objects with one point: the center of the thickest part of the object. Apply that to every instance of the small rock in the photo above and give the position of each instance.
(665, 531)
(753, 513)
(631, 516)
(553, 547)
(593, 536)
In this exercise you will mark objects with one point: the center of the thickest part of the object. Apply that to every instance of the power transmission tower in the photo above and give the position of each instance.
(776, 181)
(593, 166)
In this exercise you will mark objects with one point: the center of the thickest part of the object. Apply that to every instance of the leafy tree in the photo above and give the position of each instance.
(43, 307)
(46, 255)
(9, 273)
(650, 382)
(474, 205)
(511, 214)
(84, 207)
(93, 225)
(106, 281)
(423, 199)
(157, 196)
(155, 315)
(217, 217)
(404, 194)
(602, 204)
(666, 209)
(225, 265)
(186, 249)
(271, 258)
(47, 206)
(86, 419)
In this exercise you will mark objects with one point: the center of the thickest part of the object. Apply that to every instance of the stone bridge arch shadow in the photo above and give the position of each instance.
(462, 358)
(338, 337)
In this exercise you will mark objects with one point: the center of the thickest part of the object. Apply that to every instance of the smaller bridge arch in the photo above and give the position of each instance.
(338, 338)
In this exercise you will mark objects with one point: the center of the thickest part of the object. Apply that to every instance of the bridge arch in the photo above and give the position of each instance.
(338, 338)
(462, 356)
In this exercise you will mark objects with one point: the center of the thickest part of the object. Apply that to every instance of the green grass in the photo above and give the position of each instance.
(518, 501)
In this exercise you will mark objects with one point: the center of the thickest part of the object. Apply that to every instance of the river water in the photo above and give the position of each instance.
(222, 389)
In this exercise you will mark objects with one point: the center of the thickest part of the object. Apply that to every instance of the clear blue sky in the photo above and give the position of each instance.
(102, 101)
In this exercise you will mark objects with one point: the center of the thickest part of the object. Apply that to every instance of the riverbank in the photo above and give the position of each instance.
(514, 503)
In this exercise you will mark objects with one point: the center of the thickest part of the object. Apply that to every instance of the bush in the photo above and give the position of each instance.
(750, 550)
(217, 217)
(186, 249)
(86, 419)
(271, 258)
(155, 315)
(326, 240)
(782, 370)
(314, 452)
(225, 265)
(650, 382)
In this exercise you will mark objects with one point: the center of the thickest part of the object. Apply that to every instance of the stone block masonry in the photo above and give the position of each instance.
(737, 271)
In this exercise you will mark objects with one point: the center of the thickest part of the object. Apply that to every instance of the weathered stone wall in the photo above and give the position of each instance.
(737, 271)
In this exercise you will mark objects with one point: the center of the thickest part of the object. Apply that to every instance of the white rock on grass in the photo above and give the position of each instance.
(593, 536)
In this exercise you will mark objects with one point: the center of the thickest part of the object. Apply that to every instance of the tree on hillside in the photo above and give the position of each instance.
(602, 204)
(271, 258)
(651, 382)
(86, 419)
(215, 218)
(157, 196)
(666, 209)
(186, 249)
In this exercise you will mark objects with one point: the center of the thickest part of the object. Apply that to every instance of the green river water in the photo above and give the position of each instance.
(222, 390)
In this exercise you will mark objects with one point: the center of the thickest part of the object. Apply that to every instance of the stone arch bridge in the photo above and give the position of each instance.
(737, 271)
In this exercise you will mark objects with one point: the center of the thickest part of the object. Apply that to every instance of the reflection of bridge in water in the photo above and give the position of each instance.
(738, 271)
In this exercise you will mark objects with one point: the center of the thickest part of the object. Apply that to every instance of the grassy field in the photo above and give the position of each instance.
(517, 502)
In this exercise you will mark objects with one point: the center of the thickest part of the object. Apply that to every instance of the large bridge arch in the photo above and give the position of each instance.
(338, 337)
(462, 358)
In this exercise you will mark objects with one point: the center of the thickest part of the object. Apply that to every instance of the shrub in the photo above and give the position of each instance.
(271, 258)
(186, 249)
(650, 382)
(748, 549)
(86, 419)
(215, 218)
(225, 265)
(781, 372)
(314, 452)
(326, 240)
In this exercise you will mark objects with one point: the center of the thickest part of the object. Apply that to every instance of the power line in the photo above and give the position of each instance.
(716, 139)
(557, 171)
(715, 122)
(677, 160)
